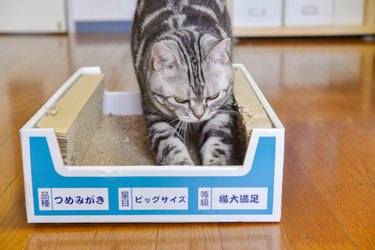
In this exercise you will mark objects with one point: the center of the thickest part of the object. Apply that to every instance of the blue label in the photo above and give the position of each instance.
(178, 195)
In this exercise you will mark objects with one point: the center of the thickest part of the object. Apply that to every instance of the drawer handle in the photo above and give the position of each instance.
(257, 12)
(309, 10)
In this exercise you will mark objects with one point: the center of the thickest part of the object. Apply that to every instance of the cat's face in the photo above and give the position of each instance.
(193, 91)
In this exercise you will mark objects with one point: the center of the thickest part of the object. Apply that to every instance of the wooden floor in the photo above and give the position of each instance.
(322, 90)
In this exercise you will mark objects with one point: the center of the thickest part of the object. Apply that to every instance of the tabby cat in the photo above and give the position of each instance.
(182, 57)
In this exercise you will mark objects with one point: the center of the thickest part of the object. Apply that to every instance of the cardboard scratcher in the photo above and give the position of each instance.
(87, 158)
(88, 138)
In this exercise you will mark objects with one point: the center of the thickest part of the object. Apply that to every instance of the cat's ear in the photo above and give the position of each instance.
(219, 53)
(163, 57)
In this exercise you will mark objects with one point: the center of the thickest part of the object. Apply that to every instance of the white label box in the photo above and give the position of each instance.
(160, 198)
(239, 198)
(79, 198)
(45, 199)
(125, 198)
(204, 198)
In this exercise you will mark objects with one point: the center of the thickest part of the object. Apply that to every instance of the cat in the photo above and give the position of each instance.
(182, 54)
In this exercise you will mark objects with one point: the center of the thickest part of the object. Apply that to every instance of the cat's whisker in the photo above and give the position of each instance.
(176, 129)
(173, 131)
(186, 130)
(170, 123)
(181, 130)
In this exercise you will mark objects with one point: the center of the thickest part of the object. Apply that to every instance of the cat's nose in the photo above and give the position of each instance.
(197, 110)
(198, 116)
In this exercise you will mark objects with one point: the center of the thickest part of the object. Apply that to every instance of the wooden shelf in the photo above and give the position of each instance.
(303, 31)
(368, 28)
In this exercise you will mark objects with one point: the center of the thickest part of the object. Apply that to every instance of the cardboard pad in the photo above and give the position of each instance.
(87, 138)
(119, 141)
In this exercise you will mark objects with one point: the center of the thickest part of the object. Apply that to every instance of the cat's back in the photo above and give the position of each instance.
(152, 19)
(156, 14)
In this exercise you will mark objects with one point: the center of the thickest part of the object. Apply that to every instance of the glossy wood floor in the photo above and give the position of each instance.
(322, 90)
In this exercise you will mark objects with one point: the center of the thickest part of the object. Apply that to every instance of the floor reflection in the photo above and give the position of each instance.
(310, 65)
(170, 236)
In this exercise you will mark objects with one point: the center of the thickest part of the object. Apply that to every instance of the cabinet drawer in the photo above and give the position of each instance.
(308, 12)
(348, 12)
(257, 13)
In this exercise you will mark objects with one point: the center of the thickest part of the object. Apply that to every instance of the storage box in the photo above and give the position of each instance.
(308, 12)
(348, 12)
(58, 193)
(102, 10)
(254, 13)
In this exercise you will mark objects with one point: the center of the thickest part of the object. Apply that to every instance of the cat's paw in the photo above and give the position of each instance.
(215, 155)
(177, 162)
(186, 162)
(173, 151)
(222, 161)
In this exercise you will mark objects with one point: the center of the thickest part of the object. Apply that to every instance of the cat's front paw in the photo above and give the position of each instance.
(173, 152)
(215, 155)
(185, 162)
(222, 161)
(177, 162)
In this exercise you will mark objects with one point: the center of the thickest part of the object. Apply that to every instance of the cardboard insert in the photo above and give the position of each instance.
(87, 137)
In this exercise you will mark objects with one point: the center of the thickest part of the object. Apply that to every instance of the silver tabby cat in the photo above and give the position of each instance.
(182, 57)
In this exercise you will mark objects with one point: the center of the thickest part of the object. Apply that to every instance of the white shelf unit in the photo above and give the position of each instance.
(342, 18)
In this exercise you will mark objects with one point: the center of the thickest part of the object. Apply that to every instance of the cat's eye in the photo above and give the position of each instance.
(180, 100)
(213, 97)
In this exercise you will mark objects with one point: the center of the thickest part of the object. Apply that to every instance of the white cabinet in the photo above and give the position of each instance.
(257, 13)
(32, 16)
(308, 12)
(348, 12)
(103, 10)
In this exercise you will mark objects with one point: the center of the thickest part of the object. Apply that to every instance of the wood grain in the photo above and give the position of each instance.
(137, 236)
(322, 90)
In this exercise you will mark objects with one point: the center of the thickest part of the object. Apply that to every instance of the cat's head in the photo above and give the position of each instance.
(190, 84)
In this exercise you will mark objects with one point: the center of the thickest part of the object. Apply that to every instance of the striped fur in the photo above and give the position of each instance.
(182, 57)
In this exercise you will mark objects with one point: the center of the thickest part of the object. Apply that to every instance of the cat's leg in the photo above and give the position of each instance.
(216, 140)
(168, 144)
